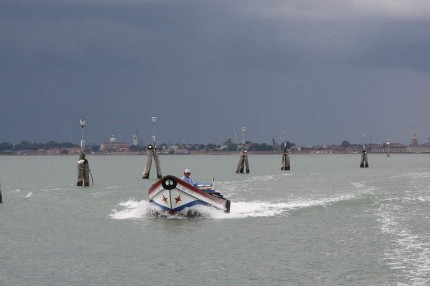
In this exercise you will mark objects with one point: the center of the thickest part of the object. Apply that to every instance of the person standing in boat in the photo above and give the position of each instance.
(186, 178)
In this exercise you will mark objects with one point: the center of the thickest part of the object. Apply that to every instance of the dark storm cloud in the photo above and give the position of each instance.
(324, 70)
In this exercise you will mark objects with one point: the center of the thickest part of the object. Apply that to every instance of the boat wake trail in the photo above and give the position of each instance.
(132, 209)
(409, 251)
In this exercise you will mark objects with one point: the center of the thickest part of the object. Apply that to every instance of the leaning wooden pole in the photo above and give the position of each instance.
(157, 164)
(239, 168)
(246, 162)
(148, 164)
(364, 162)
(285, 161)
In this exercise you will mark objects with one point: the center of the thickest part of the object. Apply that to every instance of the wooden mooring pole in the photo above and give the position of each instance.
(1, 199)
(83, 171)
(285, 161)
(285, 157)
(364, 162)
(243, 165)
(151, 153)
(388, 147)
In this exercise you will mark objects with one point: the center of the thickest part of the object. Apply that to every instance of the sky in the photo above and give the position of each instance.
(324, 71)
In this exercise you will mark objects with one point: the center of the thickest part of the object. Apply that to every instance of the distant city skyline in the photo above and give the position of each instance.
(413, 140)
(325, 71)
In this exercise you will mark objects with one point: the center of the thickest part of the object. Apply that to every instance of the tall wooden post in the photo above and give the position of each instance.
(83, 166)
(148, 164)
(157, 163)
(285, 157)
(83, 171)
(388, 147)
(364, 162)
(243, 165)
(151, 153)
(285, 160)
(1, 199)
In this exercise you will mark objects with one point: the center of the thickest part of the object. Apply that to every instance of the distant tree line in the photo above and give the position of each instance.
(345, 144)
(234, 147)
(25, 145)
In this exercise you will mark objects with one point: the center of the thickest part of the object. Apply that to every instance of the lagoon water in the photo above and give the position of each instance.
(325, 222)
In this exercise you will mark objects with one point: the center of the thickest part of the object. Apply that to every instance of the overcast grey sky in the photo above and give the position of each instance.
(324, 70)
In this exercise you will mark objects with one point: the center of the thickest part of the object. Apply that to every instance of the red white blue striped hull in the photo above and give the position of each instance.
(172, 194)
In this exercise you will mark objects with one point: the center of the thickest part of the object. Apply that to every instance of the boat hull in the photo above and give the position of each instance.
(174, 195)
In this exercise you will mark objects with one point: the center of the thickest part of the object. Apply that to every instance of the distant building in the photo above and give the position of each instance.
(74, 150)
(228, 142)
(383, 148)
(415, 147)
(135, 139)
(276, 146)
(296, 149)
(414, 141)
(114, 146)
(53, 151)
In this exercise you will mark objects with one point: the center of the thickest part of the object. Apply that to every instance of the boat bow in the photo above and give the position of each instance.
(173, 194)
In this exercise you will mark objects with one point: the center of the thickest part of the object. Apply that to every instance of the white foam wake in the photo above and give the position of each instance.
(132, 209)
(409, 253)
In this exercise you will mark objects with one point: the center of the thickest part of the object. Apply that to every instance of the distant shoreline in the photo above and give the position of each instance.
(212, 153)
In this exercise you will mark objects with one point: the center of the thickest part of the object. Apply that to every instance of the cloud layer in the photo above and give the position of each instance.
(325, 71)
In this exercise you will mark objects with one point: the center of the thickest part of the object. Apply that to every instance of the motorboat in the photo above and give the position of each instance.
(173, 195)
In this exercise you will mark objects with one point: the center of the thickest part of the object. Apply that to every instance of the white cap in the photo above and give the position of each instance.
(187, 171)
